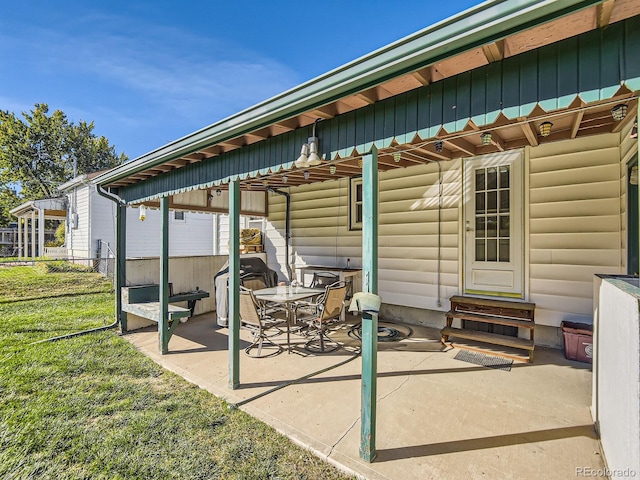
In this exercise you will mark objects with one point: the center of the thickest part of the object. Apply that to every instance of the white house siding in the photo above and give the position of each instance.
(103, 223)
(78, 242)
(574, 224)
(408, 226)
(191, 237)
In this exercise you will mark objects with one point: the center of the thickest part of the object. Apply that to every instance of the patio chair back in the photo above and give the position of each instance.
(254, 281)
(333, 301)
(254, 317)
(249, 312)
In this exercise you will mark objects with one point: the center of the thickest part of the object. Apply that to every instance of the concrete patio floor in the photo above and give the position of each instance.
(437, 418)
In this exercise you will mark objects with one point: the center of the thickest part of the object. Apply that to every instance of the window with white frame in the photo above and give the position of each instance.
(355, 203)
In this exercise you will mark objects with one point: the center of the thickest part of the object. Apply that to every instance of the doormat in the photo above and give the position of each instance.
(484, 360)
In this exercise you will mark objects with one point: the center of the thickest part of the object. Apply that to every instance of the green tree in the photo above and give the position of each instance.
(39, 152)
(8, 200)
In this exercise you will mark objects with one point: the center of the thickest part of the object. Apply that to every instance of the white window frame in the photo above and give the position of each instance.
(355, 205)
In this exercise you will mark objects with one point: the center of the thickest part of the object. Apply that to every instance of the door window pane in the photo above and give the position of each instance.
(492, 178)
(480, 227)
(504, 250)
(492, 226)
(492, 219)
(492, 250)
(504, 226)
(480, 257)
(504, 200)
(480, 182)
(480, 205)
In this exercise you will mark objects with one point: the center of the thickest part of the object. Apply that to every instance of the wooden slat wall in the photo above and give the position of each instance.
(575, 213)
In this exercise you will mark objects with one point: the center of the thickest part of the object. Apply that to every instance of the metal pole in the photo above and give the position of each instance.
(163, 324)
(369, 320)
(121, 262)
(234, 284)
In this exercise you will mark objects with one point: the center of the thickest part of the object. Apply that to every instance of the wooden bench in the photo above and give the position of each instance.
(491, 311)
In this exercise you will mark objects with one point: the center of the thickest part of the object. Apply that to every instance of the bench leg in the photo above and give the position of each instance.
(449, 323)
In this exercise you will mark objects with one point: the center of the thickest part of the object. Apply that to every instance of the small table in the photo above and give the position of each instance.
(287, 295)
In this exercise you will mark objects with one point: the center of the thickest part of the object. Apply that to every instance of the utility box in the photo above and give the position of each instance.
(578, 341)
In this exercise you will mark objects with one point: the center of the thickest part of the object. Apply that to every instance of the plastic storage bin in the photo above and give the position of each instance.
(578, 341)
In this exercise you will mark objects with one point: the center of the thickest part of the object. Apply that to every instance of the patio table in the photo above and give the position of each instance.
(287, 295)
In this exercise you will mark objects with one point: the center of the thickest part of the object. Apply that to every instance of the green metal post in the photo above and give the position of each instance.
(369, 320)
(234, 284)
(163, 325)
(121, 262)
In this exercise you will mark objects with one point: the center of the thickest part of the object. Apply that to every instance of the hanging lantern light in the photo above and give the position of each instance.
(439, 145)
(332, 169)
(619, 112)
(486, 138)
(306, 174)
(545, 128)
(396, 157)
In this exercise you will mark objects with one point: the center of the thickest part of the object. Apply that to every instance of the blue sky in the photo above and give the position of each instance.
(148, 73)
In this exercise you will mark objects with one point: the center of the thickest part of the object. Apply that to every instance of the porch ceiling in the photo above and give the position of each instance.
(572, 121)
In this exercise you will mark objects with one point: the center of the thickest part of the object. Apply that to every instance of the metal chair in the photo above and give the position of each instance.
(327, 310)
(253, 315)
(323, 279)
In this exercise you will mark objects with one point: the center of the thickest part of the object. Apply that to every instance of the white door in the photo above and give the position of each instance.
(493, 238)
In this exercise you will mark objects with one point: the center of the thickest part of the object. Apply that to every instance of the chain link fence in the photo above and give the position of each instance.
(103, 265)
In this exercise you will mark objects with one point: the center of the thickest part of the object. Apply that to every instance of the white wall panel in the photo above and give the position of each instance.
(574, 224)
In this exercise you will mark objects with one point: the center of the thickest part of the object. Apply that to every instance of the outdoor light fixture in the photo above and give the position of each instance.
(218, 192)
(332, 169)
(313, 158)
(486, 138)
(248, 186)
(634, 130)
(285, 179)
(309, 153)
(619, 112)
(303, 159)
(142, 213)
(306, 174)
(396, 157)
(439, 145)
(545, 128)
(360, 162)
(265, 183)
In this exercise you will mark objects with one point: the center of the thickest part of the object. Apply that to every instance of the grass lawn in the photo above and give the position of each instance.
(93, 407)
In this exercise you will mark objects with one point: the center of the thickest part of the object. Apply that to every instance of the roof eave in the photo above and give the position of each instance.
(488, 21)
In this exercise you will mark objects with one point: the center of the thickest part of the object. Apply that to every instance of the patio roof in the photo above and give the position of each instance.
(54, 208)
(502, 67)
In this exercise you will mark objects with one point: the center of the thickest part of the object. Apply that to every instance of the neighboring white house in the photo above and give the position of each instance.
(91, 226)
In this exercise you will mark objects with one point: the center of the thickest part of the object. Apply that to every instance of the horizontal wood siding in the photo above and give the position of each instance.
(78, 244)
(408, 228)
(575, 213)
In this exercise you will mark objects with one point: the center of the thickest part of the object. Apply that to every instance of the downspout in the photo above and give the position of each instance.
(439, 301)
(117, 200)
(287, 234)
